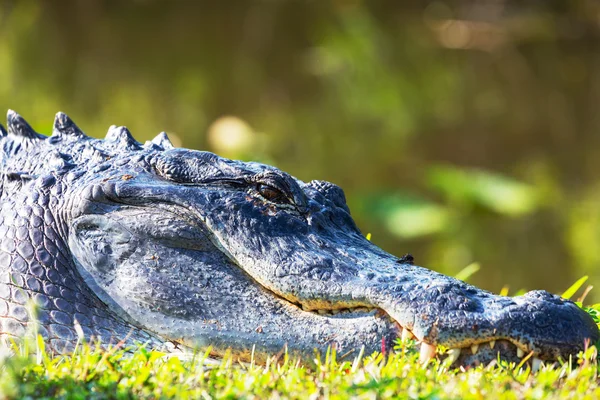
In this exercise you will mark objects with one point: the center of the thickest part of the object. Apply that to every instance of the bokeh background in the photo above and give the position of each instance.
(462, 132)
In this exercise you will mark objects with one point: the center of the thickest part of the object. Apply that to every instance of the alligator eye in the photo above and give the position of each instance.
(271, 193)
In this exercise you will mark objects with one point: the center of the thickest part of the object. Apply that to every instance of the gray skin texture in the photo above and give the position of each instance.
(126, 242)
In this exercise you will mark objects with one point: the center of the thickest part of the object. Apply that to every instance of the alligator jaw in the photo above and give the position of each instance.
(475, 325)
(482, 351)
(478, 349)
(509, 328)
(473, 355)
(488, 351)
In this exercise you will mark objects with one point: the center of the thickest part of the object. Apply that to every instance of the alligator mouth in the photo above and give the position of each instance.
(490, 351)
(342, 312)
(485, 352)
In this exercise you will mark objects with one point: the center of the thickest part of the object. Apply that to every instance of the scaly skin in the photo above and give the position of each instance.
(154, 244)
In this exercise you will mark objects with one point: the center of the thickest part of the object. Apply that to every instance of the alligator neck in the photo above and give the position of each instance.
(38, 281)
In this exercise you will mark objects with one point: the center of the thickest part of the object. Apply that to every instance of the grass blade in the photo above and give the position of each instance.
(567, 294)
(468, 271)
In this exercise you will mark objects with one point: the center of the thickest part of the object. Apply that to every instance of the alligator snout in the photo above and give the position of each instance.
(345, 271)
(476, 325)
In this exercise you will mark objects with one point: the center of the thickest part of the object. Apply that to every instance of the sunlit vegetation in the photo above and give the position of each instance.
(27, 371)
(136, 373)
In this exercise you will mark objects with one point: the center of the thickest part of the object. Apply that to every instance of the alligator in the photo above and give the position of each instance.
(112, 240)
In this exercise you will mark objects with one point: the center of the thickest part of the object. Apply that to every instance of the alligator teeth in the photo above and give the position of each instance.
(453, 355)
(427, 352)
(474, 348)
(492, 344)
(322, 312)
(406, 335)
(536, 364)
(78, 329)
(520, 352)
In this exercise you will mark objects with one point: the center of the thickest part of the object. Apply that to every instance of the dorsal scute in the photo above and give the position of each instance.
(64, 127)
(23, 149)
(19, 137)
(17, 126)
(163, 141)
(120, 136)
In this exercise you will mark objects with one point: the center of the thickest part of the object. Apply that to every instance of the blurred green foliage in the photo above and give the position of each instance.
(461, 132)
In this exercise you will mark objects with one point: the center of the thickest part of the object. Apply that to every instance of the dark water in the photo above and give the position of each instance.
(461, 134)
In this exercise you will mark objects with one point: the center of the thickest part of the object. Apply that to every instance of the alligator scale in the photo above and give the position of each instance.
(120, 241)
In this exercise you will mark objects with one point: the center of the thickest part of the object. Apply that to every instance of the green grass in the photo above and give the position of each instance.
(26, 371)
(151, 374)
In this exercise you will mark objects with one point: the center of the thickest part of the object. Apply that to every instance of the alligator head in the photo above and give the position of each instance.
(206, 251)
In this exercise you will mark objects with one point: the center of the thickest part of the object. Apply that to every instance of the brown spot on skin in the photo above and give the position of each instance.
(127, 177)
(475, 328)
(112, 177)
(259, 329)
